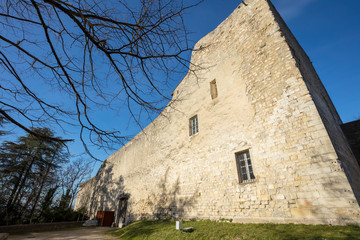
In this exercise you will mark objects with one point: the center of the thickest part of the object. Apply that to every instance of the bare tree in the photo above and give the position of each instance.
(95, 54)
(71, 176)
(2, 122)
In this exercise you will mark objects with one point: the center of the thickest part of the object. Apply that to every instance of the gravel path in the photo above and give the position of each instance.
(81, 234)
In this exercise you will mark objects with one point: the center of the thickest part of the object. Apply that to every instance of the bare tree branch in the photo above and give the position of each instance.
(93, 55)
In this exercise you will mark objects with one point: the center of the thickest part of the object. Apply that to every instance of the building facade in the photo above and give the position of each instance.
(252, 137)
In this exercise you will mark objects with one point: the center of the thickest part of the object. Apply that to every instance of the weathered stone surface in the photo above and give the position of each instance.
(269, 101)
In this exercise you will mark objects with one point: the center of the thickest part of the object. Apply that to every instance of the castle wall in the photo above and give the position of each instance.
(84, 195)
(325, 107)
(264, 105)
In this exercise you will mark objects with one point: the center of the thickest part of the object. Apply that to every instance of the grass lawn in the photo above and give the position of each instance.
(224, 230)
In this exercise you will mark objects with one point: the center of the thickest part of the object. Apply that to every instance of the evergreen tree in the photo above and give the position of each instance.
(28, 169)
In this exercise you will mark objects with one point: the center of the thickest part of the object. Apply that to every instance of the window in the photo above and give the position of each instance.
(213, 89)
(194, 128)
(244, 167)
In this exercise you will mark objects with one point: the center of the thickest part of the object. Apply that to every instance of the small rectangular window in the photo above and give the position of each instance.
(244, 167)
(194, 128)
(213, 89)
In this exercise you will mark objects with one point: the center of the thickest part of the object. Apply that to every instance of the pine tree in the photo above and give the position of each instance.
(28, 168)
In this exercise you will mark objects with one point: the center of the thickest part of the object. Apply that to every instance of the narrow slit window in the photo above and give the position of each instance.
(244, 167)
(194, 125)
(213, 89)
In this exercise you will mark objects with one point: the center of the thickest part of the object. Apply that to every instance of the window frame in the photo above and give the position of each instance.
(245, 158)
(193, 125)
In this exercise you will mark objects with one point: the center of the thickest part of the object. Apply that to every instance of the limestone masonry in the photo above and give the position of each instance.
(253, 137)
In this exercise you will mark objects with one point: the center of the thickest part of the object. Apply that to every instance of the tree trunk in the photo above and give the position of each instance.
(43, 183)
(16, 186)
(39, 193)
(23, 181)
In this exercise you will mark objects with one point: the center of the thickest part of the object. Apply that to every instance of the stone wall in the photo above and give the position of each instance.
(84, 195)
(325, 107)
(270, 103)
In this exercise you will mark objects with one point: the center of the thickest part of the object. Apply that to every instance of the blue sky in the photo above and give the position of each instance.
(328, 30)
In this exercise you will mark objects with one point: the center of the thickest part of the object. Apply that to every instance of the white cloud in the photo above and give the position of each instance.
(290, 9)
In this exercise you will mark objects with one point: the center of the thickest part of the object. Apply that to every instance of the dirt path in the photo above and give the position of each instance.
(81, 234)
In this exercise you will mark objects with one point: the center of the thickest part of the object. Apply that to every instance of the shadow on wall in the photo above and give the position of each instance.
(107, 194)
(168, 203)
(168, 200)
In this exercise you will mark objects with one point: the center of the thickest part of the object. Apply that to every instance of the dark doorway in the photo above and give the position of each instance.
(123, 202)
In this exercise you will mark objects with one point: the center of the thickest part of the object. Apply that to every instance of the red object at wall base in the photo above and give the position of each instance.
(105, 218)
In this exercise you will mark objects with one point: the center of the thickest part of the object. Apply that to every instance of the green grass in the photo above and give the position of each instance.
(210, 230)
